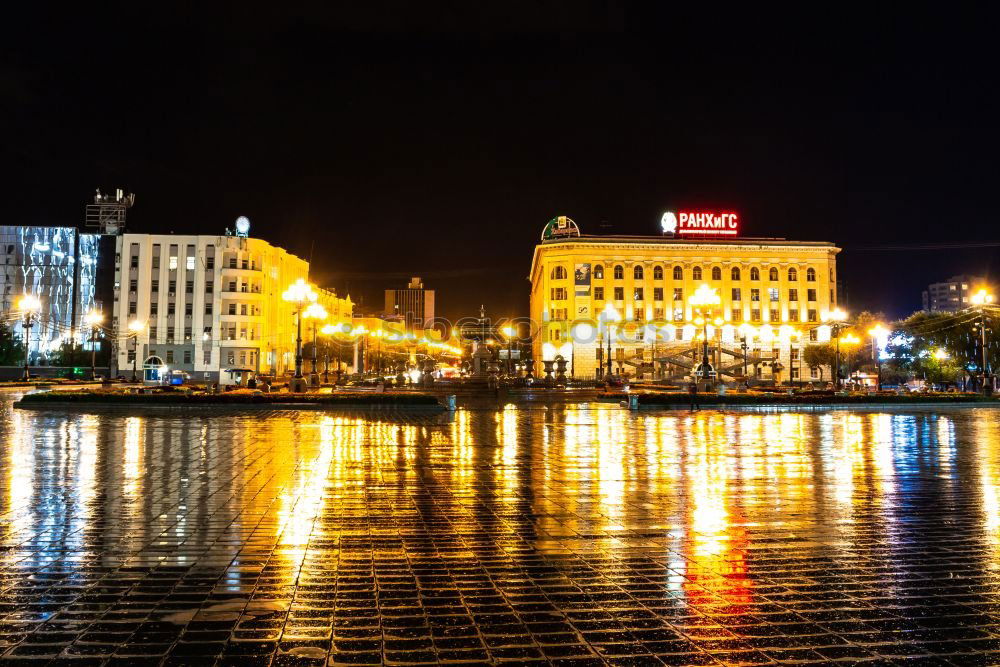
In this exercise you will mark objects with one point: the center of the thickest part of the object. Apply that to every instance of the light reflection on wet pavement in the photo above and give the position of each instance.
(570, 535)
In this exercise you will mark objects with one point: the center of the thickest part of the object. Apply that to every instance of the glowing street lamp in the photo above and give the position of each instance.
(850, 340)
(703, 300)
(299, 294)
(93, 319)
(317, 313)
(877, 332)
(29, 306)
(982, 298)
(509, 333)
(135, 327)
(610, 314)
(837, 317)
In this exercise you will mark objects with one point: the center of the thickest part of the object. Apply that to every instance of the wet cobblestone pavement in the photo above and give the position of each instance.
(551, 535)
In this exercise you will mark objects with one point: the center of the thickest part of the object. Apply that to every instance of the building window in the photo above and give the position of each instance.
(678, 334)
(243, 309)
(639, 314)
(189, 287)
(154, 286)
(678, 314)
(775, 316)
(813, 335)
(735, 273)
(209, 286)
(599, 294)
(232, 306)
(172, 286)
(811, 294)
(637, 294)
(755, 315)
(554, 334)
(210, 264)
(755, 294)
(170, 356)
(619, 294)
(599, 271)
(173, 263)
(171, 308)
(658, 314)
(793, 294)
(154, 308)
(716, 273)
(131, 308)
(189, 265)
(133, 285)
(188, 308)
(134, 262)
(130, 357)
(772, 293)
(156, 257)
(152, 334)
(793, 275)
(811, 314)
(678, 273)
(187, 334)
(696, 273)
(170, 335)
(754, 273)
(558, 273)
(637, 273)
(619, 272)
(558, 294)
(657, 294)
(231, 358)
(678, 294)
(736, 315)
(772, 275)
(793, 315)
(657, 273)
(208, 308)
(187, 356)
(737, 296)
(814, 373)
(207, 359)
(811, 274)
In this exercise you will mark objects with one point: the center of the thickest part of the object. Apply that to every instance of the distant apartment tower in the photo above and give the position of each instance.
(950, 295)
(414, 304)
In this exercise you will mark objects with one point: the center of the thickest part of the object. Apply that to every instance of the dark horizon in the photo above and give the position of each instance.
(390, 142)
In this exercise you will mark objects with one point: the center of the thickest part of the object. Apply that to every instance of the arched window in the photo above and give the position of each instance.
(619, 272)
(754, 273)
(735, 273)
(657, 272)
(558, 273)
(716, 273)
(811, 274)
(793, 275)
(599, 271)
(637, 272)
(678, 273)
(696, 273)
(772, 275)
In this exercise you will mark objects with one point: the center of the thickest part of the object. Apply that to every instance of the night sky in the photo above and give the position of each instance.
(437, 139)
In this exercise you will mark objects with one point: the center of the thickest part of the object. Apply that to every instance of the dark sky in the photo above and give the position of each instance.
(436, 139)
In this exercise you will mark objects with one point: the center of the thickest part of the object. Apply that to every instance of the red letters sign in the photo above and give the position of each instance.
(707, 223)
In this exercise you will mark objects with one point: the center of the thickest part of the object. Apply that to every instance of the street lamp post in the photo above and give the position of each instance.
(610, 315)
(982, 298)
(329, 330)
(135, 327)
(877, 332)
(837, 316)
(703, 299)
(317, 313)
(508, 332)
(851, 339)
(299, 294)
(94, 319)
(29, 307)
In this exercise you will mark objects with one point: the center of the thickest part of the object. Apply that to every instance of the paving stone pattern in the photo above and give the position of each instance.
(556, 535)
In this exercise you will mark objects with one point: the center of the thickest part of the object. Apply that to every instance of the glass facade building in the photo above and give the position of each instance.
(58, 266)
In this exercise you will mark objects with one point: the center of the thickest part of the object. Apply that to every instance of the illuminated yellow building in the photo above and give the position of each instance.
(771, 294)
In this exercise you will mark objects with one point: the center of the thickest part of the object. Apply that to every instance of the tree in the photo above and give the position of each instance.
(818, 356)
(11, 349)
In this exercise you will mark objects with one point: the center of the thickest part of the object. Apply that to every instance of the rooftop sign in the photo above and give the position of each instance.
(701, 223)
